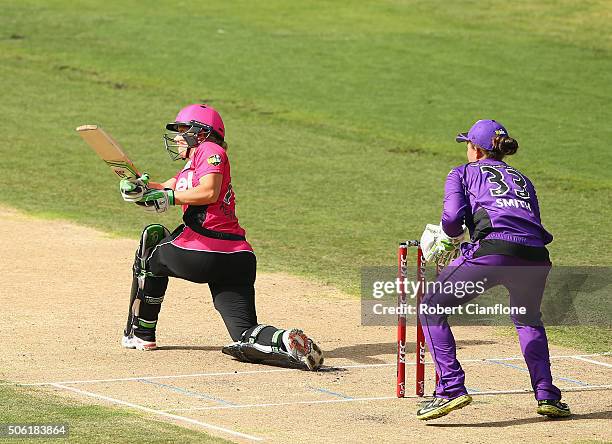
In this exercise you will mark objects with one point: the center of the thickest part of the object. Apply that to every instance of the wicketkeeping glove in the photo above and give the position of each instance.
(437, 246)
(132, 190)
(157, 201)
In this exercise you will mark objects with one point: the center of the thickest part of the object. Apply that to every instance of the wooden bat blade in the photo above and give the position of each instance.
(109, 151)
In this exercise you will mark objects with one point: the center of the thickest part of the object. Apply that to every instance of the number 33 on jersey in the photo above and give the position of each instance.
(508, 185)
(494, 197)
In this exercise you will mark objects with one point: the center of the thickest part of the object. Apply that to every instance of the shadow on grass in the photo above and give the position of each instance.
(606, 415)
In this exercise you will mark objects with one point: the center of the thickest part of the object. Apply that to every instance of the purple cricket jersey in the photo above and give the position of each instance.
(494, 201)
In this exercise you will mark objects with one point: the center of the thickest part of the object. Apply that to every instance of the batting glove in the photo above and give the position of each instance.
(157, 201)
(132, 190)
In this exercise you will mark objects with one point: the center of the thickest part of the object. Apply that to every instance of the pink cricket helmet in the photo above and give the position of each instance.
(200, 113)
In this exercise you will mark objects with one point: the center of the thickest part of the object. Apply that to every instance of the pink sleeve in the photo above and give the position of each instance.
(209, 162)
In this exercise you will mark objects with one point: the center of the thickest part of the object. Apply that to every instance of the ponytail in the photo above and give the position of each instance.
(503, 146)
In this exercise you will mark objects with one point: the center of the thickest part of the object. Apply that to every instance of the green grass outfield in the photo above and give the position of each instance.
(340, 115)
(89, 423)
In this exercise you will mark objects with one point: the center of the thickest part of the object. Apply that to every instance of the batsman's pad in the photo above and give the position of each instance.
(147, 289)
(151, 236)
(151, 288)
(249, 350)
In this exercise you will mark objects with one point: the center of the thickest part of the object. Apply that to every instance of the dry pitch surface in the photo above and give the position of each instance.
(64, 304)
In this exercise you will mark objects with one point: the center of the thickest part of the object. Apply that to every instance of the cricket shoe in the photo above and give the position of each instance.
(553, 408)
(134, 342)
(439, 407)
(304, 349)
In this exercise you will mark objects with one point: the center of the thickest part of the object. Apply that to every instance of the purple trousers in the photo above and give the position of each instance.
(525, 281)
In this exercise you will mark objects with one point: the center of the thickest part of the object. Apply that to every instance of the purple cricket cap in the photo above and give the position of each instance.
(482, 133)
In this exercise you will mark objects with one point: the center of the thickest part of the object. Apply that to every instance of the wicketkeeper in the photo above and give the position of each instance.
(499, 207)
(210, 247)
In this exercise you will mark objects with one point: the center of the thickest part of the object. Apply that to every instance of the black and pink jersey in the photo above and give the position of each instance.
(219, 217)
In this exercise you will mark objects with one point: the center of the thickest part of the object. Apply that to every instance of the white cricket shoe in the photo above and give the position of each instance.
(134, 342)
(304, 349)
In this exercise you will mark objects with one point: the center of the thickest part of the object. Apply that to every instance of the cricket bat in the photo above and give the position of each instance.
(109, 151)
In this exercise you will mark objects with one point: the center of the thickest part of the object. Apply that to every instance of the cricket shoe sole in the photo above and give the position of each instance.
(305, 349)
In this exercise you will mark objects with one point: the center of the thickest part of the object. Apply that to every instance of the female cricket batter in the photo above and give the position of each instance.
(210, 247)
(499, 207)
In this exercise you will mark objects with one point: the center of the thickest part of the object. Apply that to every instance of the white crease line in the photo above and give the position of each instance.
(382, 398)
(137, 378)
(277, 404)
(592, 361)
(253, 372)
(563, 389)
(159, 412)
(477, 360)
